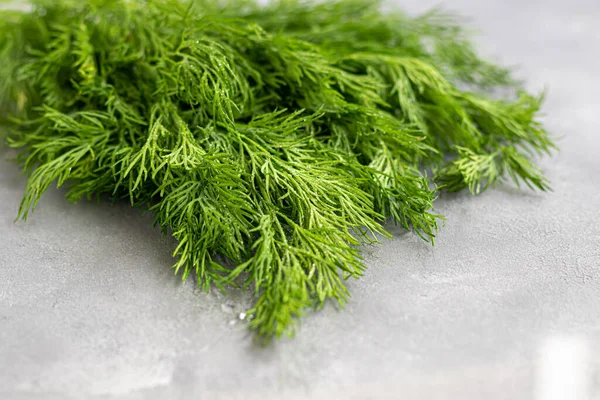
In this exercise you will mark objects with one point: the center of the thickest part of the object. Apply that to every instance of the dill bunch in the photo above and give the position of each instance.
(268, 140)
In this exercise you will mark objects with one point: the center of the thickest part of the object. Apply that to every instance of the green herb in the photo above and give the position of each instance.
(275, 138)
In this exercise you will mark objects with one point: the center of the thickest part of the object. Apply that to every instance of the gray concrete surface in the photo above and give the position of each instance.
(90, 310)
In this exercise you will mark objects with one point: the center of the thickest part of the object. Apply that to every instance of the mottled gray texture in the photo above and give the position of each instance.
(90, 310)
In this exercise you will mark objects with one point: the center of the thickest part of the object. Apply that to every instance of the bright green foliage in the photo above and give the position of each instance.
(273, 138)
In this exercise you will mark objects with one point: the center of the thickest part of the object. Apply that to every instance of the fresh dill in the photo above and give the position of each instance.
(276, 138)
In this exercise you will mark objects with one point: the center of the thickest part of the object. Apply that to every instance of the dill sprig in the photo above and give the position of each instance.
(276, 138)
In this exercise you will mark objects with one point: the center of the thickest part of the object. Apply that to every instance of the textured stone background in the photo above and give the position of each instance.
(90, 310)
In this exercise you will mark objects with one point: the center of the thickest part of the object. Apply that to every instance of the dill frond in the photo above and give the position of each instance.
(278, 137)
